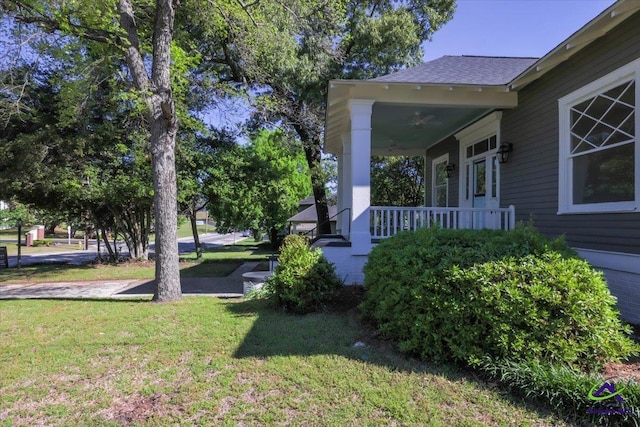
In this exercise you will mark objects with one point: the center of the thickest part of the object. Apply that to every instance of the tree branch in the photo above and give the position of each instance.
(132, 52)
(245, 8)
(51, 25)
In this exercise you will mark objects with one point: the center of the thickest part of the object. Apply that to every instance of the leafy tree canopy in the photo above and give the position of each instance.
(301, 45)
(397, 181)
(257, 187)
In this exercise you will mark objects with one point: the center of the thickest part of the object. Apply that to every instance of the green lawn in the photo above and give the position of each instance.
(10, 233)
(184, 229)
(247, 249)
(216, 262)
(12, 248)
(137, 270)
(204, 361)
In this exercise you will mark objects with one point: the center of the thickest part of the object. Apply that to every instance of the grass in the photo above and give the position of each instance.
(10, 233)
(246, 250)
(217, 261)
(12, 249)
(203, 361)
(39, 273)
(184, 229)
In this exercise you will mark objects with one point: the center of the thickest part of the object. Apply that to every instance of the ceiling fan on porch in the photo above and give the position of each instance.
(395, 147)
(420, 119)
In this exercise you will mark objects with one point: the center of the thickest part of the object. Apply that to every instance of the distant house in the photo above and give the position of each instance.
(505, 139)
(307, 217)
(202, 217)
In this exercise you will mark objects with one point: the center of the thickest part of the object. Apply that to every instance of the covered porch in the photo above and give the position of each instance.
(401, 115)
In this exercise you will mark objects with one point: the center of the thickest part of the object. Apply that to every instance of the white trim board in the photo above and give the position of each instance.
(619, 261)
(483, 128)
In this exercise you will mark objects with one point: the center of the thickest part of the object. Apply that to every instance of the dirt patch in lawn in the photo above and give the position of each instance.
(138, 409)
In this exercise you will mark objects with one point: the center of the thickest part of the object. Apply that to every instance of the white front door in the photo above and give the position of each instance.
(481, 178)
(480, 183)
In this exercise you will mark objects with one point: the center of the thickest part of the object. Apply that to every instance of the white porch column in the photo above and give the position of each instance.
(360, 175)
(345, 190)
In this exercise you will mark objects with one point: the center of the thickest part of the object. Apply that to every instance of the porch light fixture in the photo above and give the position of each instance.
(449, 169)
(506, 148)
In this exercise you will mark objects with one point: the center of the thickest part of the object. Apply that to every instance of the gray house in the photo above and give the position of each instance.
(306, 220)
(505, 139)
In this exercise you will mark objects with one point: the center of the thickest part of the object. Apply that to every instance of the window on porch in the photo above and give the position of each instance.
(440, 187)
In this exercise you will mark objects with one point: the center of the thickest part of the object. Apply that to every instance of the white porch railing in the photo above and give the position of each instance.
(387, 220)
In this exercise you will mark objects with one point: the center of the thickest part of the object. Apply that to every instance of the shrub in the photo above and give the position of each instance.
(462, 294)
(565, 391)
(45, 242)
(304, 281)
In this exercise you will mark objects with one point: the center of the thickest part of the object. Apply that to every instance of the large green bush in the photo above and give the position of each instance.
(462, 294)
(304, 281)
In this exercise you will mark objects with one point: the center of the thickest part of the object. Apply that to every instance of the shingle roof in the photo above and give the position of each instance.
(310, 214)
(472, 70)
(307, 202)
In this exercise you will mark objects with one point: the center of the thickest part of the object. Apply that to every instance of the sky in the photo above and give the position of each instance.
(489, 27)
(511, 27)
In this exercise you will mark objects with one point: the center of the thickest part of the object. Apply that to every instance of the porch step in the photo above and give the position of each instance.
(328, 237)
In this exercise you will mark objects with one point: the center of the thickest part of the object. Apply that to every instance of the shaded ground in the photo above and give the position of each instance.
(351, 296)
(229, 286)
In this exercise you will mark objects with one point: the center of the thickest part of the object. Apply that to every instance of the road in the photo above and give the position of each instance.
(185, 246)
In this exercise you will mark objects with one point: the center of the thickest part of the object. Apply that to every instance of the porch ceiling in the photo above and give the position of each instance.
(408, 118)
(407, 130)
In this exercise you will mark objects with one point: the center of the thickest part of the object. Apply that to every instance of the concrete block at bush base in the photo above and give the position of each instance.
(254, 280)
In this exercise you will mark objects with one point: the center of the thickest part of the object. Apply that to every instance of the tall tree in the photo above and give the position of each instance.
(315, 41)
(143, 47)
(87, 158)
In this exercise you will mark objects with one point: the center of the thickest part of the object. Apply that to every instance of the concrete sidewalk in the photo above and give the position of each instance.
(230, 286)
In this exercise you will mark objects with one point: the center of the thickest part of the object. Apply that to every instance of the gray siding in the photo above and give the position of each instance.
(451, 146)
(530, 178)
(625, 287)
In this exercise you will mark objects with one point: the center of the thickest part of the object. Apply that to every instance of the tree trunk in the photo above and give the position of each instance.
(312, 144)
(156, 92)
(166, 213)
(194, 230)
(132, 223)
(105, 239)
(51, 229)
(314, 157)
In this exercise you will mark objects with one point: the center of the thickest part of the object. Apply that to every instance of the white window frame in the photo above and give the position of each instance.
(618, 77)
(442, 159)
